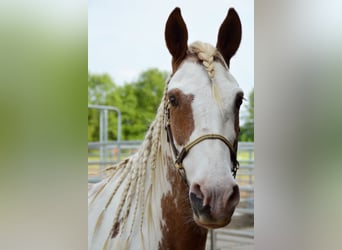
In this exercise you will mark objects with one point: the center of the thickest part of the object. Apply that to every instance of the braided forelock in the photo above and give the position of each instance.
(207, 54)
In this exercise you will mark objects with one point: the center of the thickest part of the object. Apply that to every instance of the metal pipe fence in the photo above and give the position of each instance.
(104, 156)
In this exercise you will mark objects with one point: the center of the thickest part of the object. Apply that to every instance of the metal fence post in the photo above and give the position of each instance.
(212, 240)
(250, 170)
(119, 134)
(103, 134)
(101, 138)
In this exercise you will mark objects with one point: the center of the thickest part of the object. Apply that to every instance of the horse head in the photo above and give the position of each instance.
(203, 101)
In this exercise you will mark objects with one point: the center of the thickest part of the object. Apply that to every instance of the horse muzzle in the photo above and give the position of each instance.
(213, 208)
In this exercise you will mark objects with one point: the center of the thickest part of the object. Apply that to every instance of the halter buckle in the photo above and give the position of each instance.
(179, 166)
(181, 171)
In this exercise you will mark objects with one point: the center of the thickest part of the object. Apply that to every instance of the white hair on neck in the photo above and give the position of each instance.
(131, 173)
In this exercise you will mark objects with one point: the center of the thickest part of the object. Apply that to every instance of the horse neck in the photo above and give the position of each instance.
(179, 231)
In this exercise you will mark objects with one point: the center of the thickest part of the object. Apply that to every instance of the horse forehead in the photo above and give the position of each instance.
(225, 78)
(192, 78)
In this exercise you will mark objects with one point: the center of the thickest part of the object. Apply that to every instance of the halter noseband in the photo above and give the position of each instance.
(179, 156)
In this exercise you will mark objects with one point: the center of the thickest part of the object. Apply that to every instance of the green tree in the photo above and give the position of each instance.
(149, 90)
(247, 129)
(100, 87)
(141, 100)
(128, 107)
(138, 102)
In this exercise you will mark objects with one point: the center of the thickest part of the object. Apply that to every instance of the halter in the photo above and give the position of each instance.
(179, 156)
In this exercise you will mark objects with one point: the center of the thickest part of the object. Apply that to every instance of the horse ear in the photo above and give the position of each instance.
(229, 36)
(176, 37)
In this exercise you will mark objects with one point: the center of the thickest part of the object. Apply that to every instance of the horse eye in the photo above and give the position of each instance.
(238, 100)
(173, 100)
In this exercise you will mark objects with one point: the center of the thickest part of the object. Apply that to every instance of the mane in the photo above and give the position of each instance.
(207, 54)
(133, 171)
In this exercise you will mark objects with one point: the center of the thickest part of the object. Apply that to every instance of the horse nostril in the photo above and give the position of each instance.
(197, 205)
(196, 189)
(234, 198)
(197, 200)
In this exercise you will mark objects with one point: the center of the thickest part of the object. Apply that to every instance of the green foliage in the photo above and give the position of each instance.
(138, 102)
(100, 88)
(247, 129)
(141, 101)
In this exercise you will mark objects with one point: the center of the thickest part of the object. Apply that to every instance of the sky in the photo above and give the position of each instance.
(127, 37)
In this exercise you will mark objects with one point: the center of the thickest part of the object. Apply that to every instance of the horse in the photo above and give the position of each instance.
(181, 181)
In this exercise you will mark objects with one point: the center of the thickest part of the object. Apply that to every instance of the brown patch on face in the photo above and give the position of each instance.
(181, 117)
(179, 230)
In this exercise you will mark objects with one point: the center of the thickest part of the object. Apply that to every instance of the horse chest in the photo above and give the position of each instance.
(179, 231)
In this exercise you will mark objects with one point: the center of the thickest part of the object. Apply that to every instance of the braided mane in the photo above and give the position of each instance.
(132, 172)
